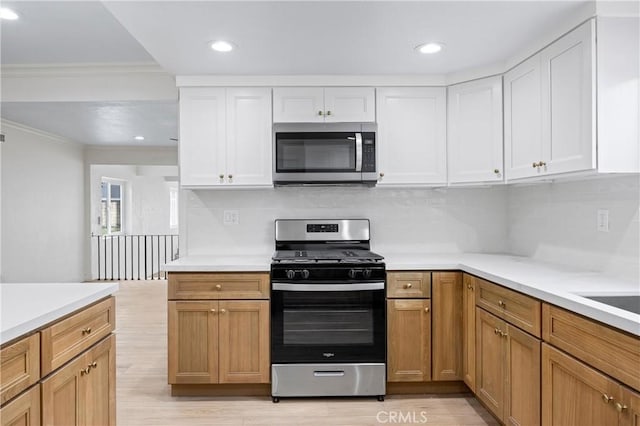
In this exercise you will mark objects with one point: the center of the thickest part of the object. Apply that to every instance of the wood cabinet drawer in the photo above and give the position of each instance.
(69, 337)
(213, 285)
(23, 411)
(610, 351)
(516, 308)
(19, 366)
(410, 284)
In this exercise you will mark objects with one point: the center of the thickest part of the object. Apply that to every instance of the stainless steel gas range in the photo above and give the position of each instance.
(328, 317)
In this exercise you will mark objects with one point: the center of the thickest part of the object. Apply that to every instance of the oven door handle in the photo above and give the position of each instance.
(327, 287)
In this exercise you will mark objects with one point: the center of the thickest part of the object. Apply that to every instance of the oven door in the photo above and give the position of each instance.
(328, 323)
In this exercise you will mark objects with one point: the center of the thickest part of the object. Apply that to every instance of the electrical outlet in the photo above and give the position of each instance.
(231, 217)
(603, 220)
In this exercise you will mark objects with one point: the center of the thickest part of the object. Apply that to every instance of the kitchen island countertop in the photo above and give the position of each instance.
(26, 307)
(557, 284)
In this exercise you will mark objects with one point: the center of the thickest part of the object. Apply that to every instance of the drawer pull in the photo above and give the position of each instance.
(218, 287)
(501, 303)
(469, 287)
(496, 331)
(426, 309)
(606, 398)
(213, 310)
(223, 311)
(503, 334)
(408, 285)
(620, 407)
(85, 371)
(93, 364)
(86, 331)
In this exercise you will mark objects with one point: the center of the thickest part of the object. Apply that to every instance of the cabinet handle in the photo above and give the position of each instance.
(85, 371)
(534, 165)
(408, 285)
(320, 113)
(213, 310)
(218, 287)
(329, 112)
(426, 309)
(93, 364)
(620, 407)
(86, 331)
(496, 331)
(606, 398)
(542, 164)
(223, 311)
(503, 334)
(501, 303)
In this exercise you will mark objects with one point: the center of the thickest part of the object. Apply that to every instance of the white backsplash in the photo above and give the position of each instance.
(557, 223)
(402, 220)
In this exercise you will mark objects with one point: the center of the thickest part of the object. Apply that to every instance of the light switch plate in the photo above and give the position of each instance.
(231, 217)
(603, 220)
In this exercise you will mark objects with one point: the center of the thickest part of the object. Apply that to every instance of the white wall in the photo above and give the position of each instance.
(43, 232)
(402, 220)
(557, 223)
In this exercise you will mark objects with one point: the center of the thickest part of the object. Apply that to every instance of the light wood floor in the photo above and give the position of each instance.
(143, 395)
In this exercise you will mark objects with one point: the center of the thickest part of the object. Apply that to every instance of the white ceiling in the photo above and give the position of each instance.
(286, 37)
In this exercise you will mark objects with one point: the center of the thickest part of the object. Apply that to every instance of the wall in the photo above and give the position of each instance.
(557, 223)
(402, 220)
(42, 207)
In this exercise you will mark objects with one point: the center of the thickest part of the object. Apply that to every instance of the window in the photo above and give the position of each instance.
(111, 206)
(173, 208)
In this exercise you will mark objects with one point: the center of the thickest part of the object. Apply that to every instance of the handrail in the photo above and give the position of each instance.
(133, 256)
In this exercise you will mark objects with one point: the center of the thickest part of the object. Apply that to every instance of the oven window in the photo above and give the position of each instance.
(315, 155)
(320, 319)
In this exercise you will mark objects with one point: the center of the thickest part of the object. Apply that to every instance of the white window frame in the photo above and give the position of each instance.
(122, 184)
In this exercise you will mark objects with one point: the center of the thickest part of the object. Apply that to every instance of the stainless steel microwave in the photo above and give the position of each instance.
(324, 158)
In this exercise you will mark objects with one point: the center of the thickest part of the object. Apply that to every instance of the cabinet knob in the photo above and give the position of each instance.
(223, 311)
(496, 171)
(535, 165)
(218, 287)
(213, 310)
(496, 331)
(542, 164)
(606, 398)
(230, 177)
(221, 176)
(408, 285)
(503, 334)
(320, 113)
(501, 303)
(94, 364)
(620, 407)
(426, 309)
(469, 287)
(85, 371)
(381, 175)
(329, 112)
(86, 331)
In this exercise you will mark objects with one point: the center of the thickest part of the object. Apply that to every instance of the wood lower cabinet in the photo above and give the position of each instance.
(446, 331)
(218, 342)
(19, 366)
(22, 411)
(408, 340)
(507, 370)
(83, 391)
(469, 331)
(629, 408)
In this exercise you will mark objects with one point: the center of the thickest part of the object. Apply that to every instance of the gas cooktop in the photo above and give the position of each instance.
(326, 256)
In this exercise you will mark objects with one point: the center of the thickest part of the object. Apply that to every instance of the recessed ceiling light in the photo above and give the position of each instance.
(222, 46)
(429, 47)
(139, 138)
(8, 14)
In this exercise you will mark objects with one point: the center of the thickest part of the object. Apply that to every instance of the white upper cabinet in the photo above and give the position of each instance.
(568, 97)
(552, 113)
(323, 105)
(474, 133)
(412, 136)
(225, 137)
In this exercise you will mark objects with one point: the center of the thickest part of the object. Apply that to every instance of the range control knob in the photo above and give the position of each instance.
(305, 274)
(291, 274)
(366, 273)
(353, 273)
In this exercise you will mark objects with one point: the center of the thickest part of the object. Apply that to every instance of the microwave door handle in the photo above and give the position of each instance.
(358, 152)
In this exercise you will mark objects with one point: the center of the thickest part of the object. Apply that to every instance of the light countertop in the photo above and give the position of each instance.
(26, 307)
(553, 283)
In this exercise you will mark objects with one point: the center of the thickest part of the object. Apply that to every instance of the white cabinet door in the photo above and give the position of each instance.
(474, 137)
(349, 104)
(298, 105)
(568, 97)
(523, 120)
(202, 136)
(319, 105)
(248, 136)
(412, 135)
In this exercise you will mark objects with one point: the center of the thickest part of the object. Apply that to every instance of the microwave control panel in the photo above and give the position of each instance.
(368, 154)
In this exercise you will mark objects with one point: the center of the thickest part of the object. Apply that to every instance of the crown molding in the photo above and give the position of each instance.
(80, 69)
(41, 133)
